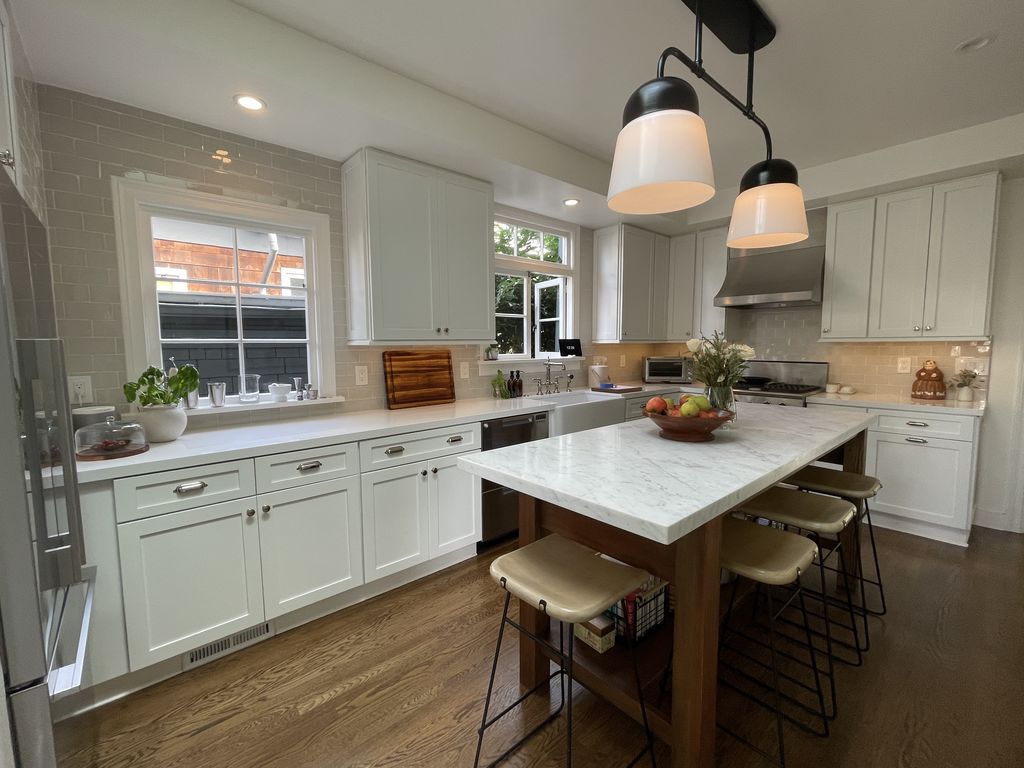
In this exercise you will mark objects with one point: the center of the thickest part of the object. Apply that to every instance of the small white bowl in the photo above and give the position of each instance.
(279, 392)
(832, 388)
(847, 390)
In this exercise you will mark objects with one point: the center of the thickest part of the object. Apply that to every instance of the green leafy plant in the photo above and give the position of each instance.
(966, 378)
(154, 387)
(717, 362)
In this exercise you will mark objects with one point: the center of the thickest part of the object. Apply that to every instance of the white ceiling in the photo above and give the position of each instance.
(841, 78)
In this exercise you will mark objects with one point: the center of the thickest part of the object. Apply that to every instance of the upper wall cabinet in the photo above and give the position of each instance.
(630, 284)
(8, 127)
(418, 252)
(681, 266)
(912, 264)
(848, 243)
(712, 257)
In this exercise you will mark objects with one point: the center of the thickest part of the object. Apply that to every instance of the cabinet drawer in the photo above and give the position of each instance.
(416, 446)
(287, 470)
(161, 492)
(635, 408)
(937, 424)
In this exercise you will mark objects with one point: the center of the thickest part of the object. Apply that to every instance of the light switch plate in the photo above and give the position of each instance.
(902, 365)
(622, 361)
(463, 370)
(362, 373)
(80, 390)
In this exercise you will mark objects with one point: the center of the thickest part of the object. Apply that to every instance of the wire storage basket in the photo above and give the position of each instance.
(646, 608)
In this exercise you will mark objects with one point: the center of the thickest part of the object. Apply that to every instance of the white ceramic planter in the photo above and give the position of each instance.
(964, 395)
(163, 423)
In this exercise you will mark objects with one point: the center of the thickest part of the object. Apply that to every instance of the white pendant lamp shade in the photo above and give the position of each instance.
(662, 164)
(769, 210)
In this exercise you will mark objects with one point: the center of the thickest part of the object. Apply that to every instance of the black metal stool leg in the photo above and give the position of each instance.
(490, 682)
(831, 673)
(775, 676)
(568, 701)
(878, 570)
(814, 663)
(649, 737)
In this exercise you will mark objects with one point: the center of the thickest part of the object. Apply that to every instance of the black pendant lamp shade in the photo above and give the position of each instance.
(662, 157)
(773, 171)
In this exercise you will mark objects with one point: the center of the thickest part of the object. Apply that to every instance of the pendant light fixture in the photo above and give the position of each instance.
(662, 159)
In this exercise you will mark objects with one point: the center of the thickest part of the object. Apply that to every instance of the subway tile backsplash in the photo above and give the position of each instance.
(870, 366)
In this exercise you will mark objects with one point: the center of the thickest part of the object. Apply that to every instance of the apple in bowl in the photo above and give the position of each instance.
(693, 419)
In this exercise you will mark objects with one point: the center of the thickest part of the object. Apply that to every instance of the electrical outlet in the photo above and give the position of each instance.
(622, 361)
(902, 365)
(80, 389)
(954, 351)
(362, 373)
(463, 370)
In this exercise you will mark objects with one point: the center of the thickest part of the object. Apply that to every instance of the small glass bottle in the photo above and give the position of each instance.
(519, 383)
(511, 383)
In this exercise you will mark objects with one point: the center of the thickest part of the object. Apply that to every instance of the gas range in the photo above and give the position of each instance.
(781, 382)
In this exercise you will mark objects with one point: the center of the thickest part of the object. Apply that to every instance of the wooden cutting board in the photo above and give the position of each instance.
(419, 377)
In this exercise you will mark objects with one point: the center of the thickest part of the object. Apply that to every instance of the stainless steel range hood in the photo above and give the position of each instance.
(784, 278)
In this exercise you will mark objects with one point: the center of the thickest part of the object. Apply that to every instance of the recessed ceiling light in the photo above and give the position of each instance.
(570, 201)
(975, 43)
(251, 103)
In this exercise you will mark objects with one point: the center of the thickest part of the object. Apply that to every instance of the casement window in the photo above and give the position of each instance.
(534, 269)
(230, 286)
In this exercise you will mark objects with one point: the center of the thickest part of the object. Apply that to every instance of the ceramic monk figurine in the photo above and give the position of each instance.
(930, 383)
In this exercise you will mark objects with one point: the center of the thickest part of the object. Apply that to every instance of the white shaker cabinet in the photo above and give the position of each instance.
(310, 543)
(960, 257)
(455, 506)
(630, 291)
(8, 127)
(924, 479)
(712, 257)
(899, 263)
(681, 266)
(418, 251)
(189, 578)
(849, 235)
(396, 519)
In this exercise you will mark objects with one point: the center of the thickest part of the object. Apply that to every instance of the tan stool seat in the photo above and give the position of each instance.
(810, 511)
(764, 554)
(571, 580)
(849, 485)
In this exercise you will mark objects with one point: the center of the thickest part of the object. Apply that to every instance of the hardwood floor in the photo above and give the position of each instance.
(399, 681)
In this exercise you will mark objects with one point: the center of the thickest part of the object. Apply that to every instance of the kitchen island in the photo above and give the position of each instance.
(658, 504)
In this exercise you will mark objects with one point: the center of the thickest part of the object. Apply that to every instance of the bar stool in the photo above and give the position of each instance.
(820, 517)
(770, 557)
(857, 489)
(573, 584)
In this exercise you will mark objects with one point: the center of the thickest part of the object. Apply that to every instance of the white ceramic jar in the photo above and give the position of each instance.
(163, 423)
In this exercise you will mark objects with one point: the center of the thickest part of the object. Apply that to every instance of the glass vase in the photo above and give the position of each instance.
(723, 399)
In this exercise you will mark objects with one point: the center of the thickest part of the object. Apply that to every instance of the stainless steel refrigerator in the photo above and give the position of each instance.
(45, 588)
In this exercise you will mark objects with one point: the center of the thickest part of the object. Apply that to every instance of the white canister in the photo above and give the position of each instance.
(599, 375)
(279, 392)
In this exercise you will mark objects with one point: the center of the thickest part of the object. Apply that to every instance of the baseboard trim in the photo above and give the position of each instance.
(916, 528)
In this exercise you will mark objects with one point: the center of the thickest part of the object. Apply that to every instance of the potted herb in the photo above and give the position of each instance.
(965, 384)
(159, 397)
(719, 364)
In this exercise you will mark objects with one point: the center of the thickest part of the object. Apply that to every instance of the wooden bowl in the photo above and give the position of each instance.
(690, 429)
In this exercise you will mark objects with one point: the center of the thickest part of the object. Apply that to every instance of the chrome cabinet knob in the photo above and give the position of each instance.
(446, 330)
(250, 513)
(927, 327)
(423, 472)
(825, 330)
(266, 509)
(917, 327)
(7, 158)
(434, 470)
(438, 330)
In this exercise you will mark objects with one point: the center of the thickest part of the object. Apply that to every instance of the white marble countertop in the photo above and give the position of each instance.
(627, 476)
(229, 443)
(900, 402)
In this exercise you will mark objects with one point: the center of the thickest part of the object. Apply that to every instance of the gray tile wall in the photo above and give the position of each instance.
(30, 150)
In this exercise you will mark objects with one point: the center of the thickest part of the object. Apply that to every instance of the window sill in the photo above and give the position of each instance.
(527, 364)
(205, 409)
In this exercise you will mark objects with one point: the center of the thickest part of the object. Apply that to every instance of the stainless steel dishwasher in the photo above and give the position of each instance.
(500, 504)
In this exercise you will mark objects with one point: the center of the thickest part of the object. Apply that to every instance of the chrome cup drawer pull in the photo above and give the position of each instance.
(308, 466)
(195, 485)
(394, 450)
(455, 439)
(918, 424)
(919, 440)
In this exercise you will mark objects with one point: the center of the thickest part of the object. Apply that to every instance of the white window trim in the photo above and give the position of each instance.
(136, 202)
(508, 265)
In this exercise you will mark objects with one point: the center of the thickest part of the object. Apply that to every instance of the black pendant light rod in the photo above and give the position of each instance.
(698, 69)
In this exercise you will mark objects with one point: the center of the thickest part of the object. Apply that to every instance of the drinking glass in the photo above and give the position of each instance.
(249, 388)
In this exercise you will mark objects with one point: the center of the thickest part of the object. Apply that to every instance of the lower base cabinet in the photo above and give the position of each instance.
(924, 479)
(310, 543)
(189, 578)
(417, 511)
